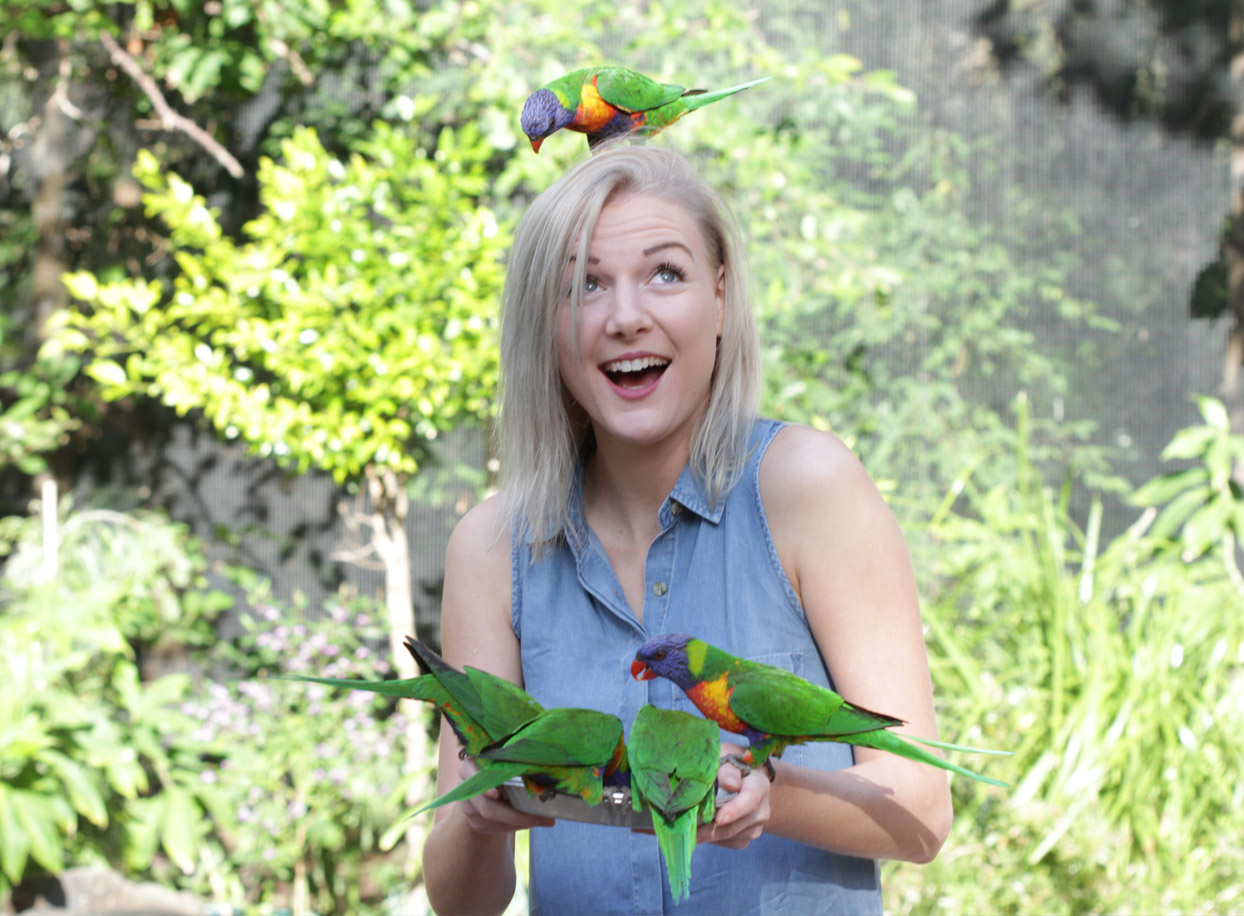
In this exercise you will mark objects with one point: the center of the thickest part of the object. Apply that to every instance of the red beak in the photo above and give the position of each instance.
(641, 672)
(535, 144)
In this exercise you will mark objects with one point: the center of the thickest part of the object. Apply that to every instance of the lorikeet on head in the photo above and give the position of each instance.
(575, 751)
(482, 709)
(606, 102)
(774, 708)
(673, 757)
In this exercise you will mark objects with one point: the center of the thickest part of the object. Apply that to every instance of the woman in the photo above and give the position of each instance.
(642, 495)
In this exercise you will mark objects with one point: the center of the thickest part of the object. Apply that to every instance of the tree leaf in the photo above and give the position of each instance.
(179, 828)
(107, 372)
(1168, 486)
(14, 841)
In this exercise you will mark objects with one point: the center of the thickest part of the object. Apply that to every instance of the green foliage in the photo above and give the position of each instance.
(94, 763)
(1112, 672)
(232, 788)
(1204, 503)
(356, 323)
(36, 409)
(306, 781)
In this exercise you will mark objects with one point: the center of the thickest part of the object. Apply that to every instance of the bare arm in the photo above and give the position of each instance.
(468, 858)
(846, 558)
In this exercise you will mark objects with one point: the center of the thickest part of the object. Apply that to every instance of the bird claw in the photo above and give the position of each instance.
(739, 762)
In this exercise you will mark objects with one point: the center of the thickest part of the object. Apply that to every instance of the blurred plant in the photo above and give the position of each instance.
(94, 764)
(1113, 672)
(146, 571)
(1205, 503)
(36, 410)
(310, 782)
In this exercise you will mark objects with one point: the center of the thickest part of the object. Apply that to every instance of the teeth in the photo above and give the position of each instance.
(635, 365)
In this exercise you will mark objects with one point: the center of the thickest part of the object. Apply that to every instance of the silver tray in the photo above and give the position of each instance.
(614, 809)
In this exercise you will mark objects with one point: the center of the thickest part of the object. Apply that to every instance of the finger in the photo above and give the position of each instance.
(487, 815)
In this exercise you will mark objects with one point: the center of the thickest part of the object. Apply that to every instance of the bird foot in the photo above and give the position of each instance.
(740, 761)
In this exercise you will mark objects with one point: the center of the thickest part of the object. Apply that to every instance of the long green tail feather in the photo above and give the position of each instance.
(700, 99)
(677, 842)
(896, 744)
(415, 688)
(947, 746)
(489, 777)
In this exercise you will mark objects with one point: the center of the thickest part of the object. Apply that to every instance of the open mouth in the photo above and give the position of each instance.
(635, 373)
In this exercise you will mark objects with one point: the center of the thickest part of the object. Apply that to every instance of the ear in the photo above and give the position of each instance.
(721, 299)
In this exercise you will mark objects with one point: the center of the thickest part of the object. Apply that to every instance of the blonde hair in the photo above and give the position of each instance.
(540, 432)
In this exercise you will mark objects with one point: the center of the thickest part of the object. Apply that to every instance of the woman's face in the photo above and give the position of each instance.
(652, 312)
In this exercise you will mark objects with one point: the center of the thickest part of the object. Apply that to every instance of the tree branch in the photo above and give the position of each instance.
(171, 119)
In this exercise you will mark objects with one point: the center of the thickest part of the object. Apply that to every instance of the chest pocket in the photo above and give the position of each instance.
(788, 661)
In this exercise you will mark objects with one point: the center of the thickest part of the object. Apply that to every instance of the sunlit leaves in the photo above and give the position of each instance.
(1204, 504)
(356, 322)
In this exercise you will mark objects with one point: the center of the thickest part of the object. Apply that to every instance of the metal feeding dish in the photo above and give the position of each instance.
(614, 809)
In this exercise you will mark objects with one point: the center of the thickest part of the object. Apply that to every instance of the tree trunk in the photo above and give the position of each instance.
(389, 507)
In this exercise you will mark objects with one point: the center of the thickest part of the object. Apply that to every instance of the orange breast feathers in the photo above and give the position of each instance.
(593, 112)
(713, 699)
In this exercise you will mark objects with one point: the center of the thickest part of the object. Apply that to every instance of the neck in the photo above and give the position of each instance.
(624, 485)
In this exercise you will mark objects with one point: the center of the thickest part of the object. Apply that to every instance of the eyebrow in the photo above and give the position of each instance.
(660, 246)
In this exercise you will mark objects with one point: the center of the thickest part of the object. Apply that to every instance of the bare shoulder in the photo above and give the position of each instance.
(805, 468)
(481, 535)
(824, 511)
(475, 607)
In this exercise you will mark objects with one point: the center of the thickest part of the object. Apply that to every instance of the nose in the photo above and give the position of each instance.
(628, 314)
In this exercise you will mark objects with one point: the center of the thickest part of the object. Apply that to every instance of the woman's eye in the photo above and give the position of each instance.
(668, 273)
(590, 284)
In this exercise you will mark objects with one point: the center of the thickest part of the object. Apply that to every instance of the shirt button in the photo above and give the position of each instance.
(675, 508)
(659, 589)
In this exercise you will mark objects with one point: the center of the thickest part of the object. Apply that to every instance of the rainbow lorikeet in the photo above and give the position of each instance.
(606, 102)
(575, 751)
(774, 708)
(673, 757)
(482, 709)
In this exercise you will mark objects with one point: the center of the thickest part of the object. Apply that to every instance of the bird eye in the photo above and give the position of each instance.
(659, 654)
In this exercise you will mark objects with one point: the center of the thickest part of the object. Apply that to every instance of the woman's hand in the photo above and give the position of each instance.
(489, 813)
(743, 818)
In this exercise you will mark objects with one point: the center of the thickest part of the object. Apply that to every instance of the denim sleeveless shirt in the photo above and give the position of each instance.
(712, 572)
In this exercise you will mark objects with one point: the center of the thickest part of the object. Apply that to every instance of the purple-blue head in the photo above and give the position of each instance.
(664, 656)
(543, 113)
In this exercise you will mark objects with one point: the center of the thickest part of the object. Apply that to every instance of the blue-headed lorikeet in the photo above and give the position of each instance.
(607, 102)
(774, 708)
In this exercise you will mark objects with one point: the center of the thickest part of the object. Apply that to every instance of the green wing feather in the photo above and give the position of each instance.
(562, 737)
(503, 707)
(633, 91)
(482, 708)
(775, 701)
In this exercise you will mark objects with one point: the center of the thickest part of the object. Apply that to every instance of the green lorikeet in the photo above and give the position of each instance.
(575, 751)
(673, 757)
(482, 709)
(774, 708)
(606, 102)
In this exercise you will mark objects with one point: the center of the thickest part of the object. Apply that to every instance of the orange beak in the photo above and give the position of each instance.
(535, 144)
